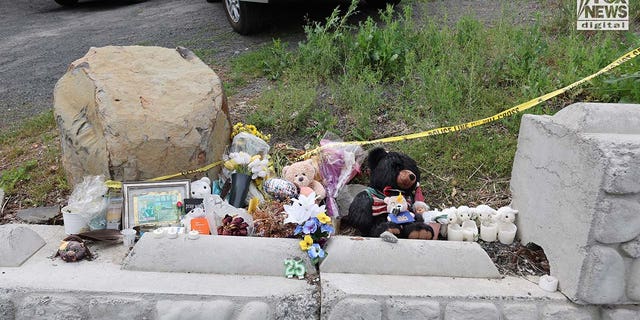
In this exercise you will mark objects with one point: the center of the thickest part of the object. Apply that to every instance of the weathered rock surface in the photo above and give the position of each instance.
(39, 214)
(133, 113)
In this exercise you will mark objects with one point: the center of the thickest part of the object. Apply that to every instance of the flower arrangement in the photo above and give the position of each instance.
(249, 128)
(313, 225)
(315, 232)
(254, 166)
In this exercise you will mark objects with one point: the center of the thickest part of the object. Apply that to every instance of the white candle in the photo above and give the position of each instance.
(469, 230)
(454, 232)
(489, 232)
(507, 232)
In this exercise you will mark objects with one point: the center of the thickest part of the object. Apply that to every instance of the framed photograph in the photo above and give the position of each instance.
(153, 204)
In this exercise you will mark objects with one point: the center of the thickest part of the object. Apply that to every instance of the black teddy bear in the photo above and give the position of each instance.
(392, 173)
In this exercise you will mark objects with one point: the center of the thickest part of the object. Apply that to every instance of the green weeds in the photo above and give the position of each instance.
(391, 75)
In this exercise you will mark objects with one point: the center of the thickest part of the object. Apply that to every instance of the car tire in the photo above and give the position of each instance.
(243, 16)
(382, 3)
(67, 2)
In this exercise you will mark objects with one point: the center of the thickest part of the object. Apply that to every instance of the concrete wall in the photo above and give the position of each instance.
(576, 183)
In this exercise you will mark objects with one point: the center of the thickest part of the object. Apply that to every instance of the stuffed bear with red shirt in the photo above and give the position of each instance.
(391, 174)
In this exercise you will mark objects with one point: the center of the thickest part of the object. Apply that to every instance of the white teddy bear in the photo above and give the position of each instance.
(485, 213)
(506, 215)
(452, 215)
(201, 188)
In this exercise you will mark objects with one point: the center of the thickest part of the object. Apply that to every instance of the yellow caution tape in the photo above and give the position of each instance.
(509, 112)
(432, 132)
(117, 184)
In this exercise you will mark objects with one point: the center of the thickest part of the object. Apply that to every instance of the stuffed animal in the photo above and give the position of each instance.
(302, 174)
(201, 188)
(392, 173)
(464, 213)
(485, 213)
(506, 215)
(452, 215)
(398, 210)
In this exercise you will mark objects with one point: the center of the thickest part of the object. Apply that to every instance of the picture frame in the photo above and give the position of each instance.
(153, 204)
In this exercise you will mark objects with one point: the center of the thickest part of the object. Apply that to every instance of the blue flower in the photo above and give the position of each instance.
(327, 228)
(310, 226)
(298, 230)
(315, 251)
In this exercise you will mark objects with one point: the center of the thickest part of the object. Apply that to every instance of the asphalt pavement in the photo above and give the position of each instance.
(39, 39)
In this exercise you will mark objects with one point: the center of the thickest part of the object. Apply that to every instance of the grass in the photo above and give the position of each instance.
(30, 168)
(391, 76)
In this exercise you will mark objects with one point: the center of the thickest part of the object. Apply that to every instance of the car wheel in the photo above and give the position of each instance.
(382, 3)
(67, 2)
(243, 16)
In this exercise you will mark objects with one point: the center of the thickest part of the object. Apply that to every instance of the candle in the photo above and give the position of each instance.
(470, 230)
(507, 232)
(454, 232)
(489, 232)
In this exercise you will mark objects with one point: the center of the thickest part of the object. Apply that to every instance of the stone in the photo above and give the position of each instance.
(620, 314)
(39, 215)
(39, 307)
(573, 184)
(175, 310)
(346, 195)
(407, 257)
(105, 307)
(603, 279)
(224, 255)
(412, 309)
(464, 310)
(17, 244)
(520, 312)
(631, 248)
(619, 220)
(567, 312)
(255, 310)
(134, 112)
(356, 308)
(7, 309)
(633, 285)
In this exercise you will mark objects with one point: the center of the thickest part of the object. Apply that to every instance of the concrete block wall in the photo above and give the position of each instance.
(576, 183)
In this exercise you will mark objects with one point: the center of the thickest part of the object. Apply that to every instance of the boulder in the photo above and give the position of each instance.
(135, 112)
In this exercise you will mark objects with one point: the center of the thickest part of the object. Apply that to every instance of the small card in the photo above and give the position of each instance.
(192, 203)
(401, 218)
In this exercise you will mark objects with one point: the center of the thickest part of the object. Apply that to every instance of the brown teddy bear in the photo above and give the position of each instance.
(302, 174)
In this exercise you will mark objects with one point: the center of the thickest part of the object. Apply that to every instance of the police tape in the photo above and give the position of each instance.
(507, 113)
(432, 132)
(117, 184)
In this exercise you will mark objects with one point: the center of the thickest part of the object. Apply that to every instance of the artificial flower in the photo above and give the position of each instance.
(259, 167)
(315, 251)
(323, 218)
(327, 228)
(302, 209)
(310, 226)
(306, 243)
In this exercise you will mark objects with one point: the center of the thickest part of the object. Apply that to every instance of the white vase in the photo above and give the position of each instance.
(507, 232)
(488, 232)
(454, 232)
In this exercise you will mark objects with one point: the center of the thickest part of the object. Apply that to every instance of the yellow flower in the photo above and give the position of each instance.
(256, 157)
(230, 164)
(306, 242)
(324, 218)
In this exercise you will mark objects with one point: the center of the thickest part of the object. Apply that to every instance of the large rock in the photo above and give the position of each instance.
(574, 181)
(132, 113)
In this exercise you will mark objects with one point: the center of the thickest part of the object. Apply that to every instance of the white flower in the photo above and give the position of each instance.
(259, 168)
(241, 158)
(302, 209)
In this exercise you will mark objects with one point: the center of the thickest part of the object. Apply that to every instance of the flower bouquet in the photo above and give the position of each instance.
(244, 168)
(339, 163)
(313, 225)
